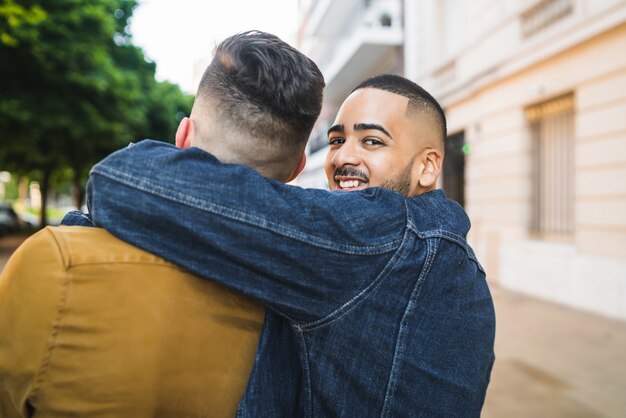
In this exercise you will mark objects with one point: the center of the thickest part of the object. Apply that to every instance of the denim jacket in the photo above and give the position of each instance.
(377, 304)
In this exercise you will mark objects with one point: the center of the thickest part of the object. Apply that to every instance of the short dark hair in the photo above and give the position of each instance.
(262, 84)
(419, 99)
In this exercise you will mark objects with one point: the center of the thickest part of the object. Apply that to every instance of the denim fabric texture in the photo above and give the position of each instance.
(377, 304)
(77, 218)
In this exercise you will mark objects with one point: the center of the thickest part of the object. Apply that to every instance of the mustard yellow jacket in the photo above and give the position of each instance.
(93, 327)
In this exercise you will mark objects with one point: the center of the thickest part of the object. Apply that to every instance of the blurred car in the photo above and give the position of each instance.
(9, 222)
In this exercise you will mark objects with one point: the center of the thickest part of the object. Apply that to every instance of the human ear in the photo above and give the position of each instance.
(430, 168)
(184, 133)
(299, 167)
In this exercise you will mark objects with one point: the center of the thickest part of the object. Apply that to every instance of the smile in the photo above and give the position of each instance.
(350, 184)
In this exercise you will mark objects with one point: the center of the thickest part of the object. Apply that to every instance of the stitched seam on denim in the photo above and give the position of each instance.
(452, 237)
(308, 400)
(176, 196)
(410, 309)
(448, 236)
(56, 330)
(354, 301)
(348, 306)
(278, 312)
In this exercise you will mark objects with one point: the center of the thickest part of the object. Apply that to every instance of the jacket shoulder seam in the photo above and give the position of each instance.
(450, 237)
(61, 246)
(55, 331)
(348, 306)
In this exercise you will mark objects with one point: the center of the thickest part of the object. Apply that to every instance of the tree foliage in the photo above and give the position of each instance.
(75, 88)
(19, 22)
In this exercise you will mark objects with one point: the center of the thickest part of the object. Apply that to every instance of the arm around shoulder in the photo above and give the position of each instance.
(293, 249)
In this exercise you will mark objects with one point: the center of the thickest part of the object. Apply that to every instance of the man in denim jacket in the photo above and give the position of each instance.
(377, 304)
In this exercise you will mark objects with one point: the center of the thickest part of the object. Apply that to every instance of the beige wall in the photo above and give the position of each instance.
(588, 271)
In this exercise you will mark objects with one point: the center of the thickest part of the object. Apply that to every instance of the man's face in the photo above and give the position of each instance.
(373, 143)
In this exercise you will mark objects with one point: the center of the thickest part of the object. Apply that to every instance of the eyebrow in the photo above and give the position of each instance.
(335, 128)
(360, 127)
(368, 126)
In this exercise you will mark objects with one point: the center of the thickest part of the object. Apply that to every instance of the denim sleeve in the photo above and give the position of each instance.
(77, 218)
(303, 252)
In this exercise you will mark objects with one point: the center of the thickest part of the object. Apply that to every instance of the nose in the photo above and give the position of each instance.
(347, 154)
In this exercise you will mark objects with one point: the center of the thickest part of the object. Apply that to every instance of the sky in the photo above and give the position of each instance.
(179, 35)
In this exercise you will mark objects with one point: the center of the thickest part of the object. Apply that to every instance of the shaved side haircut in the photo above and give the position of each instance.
(262, 86)
(419, 99)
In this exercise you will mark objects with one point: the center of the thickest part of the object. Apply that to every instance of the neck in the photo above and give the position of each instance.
(270, 166)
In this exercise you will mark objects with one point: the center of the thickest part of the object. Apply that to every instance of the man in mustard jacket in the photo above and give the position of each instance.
(94, 327)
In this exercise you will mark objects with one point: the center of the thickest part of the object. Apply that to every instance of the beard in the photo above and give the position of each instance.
(401, 183)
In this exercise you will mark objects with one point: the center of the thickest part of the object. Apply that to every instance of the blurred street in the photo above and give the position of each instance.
(551, 361)
(8, 244)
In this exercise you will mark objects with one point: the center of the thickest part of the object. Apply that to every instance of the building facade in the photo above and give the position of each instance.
(535, 95)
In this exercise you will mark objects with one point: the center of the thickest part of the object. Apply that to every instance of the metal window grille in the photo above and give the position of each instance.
(552, 130)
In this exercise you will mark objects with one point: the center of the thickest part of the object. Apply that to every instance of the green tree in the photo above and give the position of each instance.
(18, 22)
(167, 105)
(75, 88)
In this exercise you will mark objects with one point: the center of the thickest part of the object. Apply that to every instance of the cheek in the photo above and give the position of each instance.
(380, 167)
(328, 167)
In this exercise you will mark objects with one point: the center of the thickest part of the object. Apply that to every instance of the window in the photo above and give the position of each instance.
(552, 131)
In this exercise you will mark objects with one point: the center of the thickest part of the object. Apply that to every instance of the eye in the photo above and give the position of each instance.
(336, 141)
(373, 141)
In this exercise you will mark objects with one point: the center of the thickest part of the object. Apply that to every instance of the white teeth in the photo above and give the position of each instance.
(345, 184)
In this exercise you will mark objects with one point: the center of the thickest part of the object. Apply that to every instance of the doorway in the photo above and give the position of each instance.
(454, 168)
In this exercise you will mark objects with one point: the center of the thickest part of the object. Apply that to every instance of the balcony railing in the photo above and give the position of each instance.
(363, 15)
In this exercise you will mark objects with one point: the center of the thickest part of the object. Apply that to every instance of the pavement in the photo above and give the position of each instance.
(551, 361)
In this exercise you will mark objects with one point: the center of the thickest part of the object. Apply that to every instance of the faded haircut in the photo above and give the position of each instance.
(261, 85)
(419, 99)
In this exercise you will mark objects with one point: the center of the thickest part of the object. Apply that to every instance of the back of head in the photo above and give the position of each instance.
(420, 101)
(260, 96)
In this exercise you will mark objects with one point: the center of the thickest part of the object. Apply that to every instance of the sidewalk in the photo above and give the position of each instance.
(551, 361)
